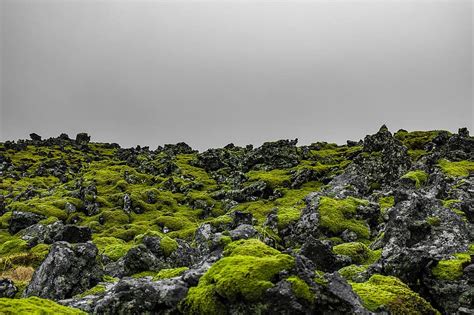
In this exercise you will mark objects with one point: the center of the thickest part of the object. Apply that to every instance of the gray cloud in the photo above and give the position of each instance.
(210, 73)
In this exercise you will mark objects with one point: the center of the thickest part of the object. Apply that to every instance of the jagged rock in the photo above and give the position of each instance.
(7, 288)
(82, 138)
(21, 220)
(136, 260)
(66, 271)
(278, 154)
(243, 231)
(321, 255)
(411, 242)
(35, 137)
(56, 232)
(135, 296)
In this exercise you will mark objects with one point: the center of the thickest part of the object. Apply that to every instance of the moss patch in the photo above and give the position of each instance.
(392, 293)
(34, 305)
(418, 177)
(337, 215)
(457, 169)
(451, 269)
(358, 252)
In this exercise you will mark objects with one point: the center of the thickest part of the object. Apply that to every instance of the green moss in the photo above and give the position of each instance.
(392, 293)
(451, 269)
(457, 169)
(35, 306)
(301, 289)
(12, 246)
(351, 272)
(433, 221)
(244, 274)
(319, 278)
(416, 154)
(358, 252)
(112, 247)
(418, 177)
(100, 288)
(162, 274)
(337, 215)
(416, 140)
(274, 178)
(386, 203)
(168, 245)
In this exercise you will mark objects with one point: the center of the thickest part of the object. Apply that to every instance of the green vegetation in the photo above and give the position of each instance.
(301, 289)
(162, 274)
(392, 293)
(457, 169)
(451, 269)
(351, 272)
(416, 140)
(337, 215)
(244, 274)
(419, 177)
(168, 245)
(385, 203)
(358, 252)
(34, 306)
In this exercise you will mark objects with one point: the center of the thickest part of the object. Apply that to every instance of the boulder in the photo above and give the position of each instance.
(66, 271)
(21, 220)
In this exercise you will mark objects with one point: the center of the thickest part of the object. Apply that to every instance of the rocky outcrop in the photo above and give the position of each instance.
(66, 271)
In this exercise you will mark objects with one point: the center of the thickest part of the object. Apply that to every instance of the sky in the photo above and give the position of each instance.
(214, 72)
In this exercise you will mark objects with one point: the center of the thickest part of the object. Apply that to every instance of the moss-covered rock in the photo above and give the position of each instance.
(338, 215)
(244, 274)
(418, 177)
(393, 294)
(358, 252)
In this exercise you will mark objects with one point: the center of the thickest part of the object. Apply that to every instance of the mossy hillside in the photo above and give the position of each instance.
(456, 169)
(392, 293)
(337, 215)
(35, 306)
(244, 273)
(418, 177)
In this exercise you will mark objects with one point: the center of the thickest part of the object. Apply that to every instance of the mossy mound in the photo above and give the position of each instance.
(457, 169)
(393, 294)
(338, 215)
(451, 269)
(35, 306)
(244, 274)
(358, 252)
(418, 177)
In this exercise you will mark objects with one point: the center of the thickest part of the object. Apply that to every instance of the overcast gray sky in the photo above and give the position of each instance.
(214, 72)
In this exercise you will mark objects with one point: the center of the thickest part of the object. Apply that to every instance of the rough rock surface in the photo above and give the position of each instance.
(66, 271)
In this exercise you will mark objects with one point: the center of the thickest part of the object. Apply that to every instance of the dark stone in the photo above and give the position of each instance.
(66, 271)
(35, 137)
(7, 288)
(21, 220)
(82, 138)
